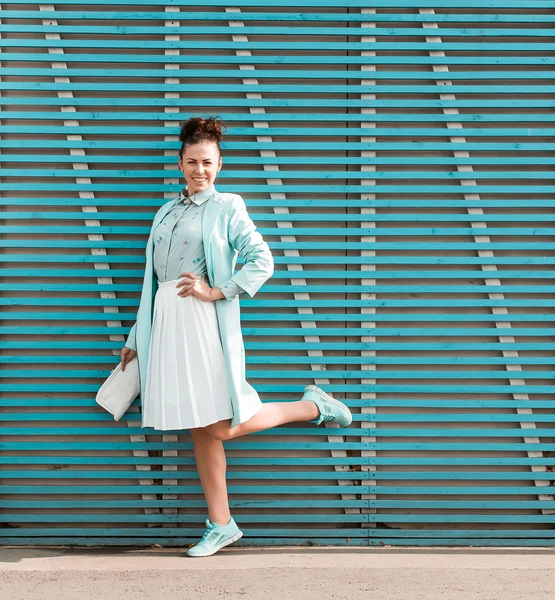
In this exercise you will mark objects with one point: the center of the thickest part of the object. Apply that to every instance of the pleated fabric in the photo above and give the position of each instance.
(186, 384)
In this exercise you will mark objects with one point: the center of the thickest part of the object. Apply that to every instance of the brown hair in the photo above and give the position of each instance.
(197, 129)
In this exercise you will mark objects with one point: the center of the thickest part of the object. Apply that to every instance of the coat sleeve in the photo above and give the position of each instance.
(230, 289)
(243, 236)
(131, 338)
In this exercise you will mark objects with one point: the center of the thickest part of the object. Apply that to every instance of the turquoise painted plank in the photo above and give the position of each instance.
(281, 30)
(296, 446)
(337, 146)
(383, 416)
(60, 243)
(341, 317)
(461, 45)
(305, 159)
(275, 461)
(327, 360)
(381, 432)
(325, 318)
(346, 388)
(378, 175)
(283, 16)
(497, 405)
(295, 475)
(330, 59)
(310, 346)
(272, 331)
(325, 3)
(296, 132)
(194, 520)
(187, 490)
(362, 418)
(286, 117)
(282, 88)
(184, 531)
(307, 260)
(279, 504)
(299, 303)
(286, 74)
(288, 303)
(430, 232)
(123, 287)
(263, 519)
(374, 274)
(411, 104)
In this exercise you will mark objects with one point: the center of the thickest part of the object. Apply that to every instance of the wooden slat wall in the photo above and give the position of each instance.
(397, 156)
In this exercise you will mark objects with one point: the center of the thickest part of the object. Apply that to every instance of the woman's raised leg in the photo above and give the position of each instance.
(271, 414)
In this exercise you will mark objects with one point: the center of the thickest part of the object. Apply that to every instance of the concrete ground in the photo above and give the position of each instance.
(322, 573)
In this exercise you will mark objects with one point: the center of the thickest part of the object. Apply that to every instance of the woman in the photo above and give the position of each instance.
(188, 338)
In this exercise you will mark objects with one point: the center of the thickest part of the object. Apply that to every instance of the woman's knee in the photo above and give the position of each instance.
(200, 435)
(219, 431)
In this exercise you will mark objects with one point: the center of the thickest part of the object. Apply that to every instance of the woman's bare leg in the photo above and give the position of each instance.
(210, 453)
(270, 415)
(211, 467)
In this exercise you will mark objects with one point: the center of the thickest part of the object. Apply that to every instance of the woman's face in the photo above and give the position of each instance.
(200, 164)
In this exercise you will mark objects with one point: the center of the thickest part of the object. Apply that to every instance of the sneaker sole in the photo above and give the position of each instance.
(320, 391)
(230, 541)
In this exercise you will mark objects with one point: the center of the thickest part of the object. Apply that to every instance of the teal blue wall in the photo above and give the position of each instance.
(398, 158)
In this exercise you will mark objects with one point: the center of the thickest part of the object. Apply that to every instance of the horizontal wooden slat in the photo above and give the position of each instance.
(288, 117)
(287, 59)
(279, 16)
(323, 3)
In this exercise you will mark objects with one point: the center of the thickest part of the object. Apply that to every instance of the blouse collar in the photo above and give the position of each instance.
(199, 197)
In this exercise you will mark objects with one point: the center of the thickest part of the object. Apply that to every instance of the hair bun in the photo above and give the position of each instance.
(197, 129)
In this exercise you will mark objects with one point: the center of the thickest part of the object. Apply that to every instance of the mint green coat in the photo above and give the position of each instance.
(227, 232)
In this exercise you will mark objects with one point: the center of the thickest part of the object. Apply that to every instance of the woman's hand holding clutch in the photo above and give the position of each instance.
(127, 355)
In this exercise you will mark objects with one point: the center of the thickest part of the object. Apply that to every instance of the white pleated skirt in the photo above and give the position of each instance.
(186, 383)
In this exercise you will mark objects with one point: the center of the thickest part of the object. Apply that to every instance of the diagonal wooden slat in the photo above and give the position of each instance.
(81, 165)
(296, 268)
(542, 485)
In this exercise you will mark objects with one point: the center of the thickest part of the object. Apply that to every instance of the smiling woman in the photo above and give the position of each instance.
(188, 337)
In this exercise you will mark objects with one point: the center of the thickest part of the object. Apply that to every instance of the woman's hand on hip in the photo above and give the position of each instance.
(191, 285)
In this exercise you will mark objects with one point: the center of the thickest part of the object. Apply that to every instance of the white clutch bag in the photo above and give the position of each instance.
(120, 389)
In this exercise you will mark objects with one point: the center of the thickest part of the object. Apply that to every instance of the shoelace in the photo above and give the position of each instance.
(209, 528)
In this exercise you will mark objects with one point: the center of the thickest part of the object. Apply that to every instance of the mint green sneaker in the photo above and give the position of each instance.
(330, 408)
(216, 537)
